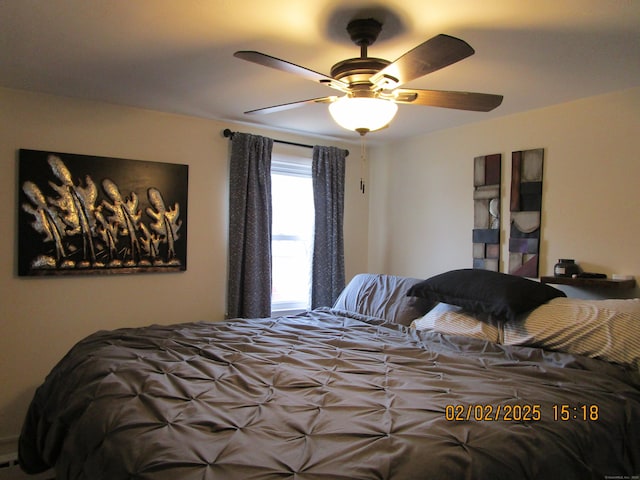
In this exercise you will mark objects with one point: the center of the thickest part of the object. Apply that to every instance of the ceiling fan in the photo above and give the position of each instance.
(369, 83)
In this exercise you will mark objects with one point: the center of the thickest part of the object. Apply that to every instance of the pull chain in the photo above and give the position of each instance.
(363, 156)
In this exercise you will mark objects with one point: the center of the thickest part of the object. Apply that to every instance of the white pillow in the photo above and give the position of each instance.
(453, 320)
(604, 329)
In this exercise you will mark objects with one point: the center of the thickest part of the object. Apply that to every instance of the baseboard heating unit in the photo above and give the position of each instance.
(10, 470)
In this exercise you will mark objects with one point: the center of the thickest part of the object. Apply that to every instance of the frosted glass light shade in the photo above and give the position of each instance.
(362, 114)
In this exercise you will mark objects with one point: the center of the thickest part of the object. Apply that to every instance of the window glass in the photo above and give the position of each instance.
(292, 233)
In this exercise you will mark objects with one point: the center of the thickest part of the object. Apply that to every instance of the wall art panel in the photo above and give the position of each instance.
(526, 209)
(81, 214)
(487, 172)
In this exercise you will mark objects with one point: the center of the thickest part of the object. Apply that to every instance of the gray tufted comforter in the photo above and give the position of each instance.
(328, 395)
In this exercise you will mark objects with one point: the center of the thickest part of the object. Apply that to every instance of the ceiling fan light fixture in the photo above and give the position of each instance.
(362, 114)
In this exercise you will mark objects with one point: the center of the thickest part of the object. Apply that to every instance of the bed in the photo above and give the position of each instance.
(464, 375)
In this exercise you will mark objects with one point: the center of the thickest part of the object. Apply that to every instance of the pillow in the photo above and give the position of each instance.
(453, 320)
(482, 291)
(382, 296)
(604, 329)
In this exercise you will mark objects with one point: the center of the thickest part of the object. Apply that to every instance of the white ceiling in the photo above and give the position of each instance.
(177, 55)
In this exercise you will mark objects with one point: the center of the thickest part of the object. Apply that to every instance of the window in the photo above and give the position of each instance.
(292, 233)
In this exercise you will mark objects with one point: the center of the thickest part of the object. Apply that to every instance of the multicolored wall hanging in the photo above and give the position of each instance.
(81, 214)
(487, 171)
(526, 207)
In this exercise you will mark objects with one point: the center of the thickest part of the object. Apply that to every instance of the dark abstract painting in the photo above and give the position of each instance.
(81, 214)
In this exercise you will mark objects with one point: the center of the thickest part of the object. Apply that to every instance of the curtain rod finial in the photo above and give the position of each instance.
(227, 133)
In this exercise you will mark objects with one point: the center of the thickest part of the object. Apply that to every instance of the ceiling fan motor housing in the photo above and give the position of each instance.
(357, 72)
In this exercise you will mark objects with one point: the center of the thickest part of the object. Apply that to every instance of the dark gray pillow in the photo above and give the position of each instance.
(483, 291)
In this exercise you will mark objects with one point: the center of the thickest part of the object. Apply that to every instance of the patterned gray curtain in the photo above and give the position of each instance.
(328, 277)
(249, 279)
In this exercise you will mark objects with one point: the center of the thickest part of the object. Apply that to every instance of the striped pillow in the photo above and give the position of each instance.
(604, 329)
(453, 320)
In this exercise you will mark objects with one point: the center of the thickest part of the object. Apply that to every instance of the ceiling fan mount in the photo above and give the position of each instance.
(377, 78)
(364, 31)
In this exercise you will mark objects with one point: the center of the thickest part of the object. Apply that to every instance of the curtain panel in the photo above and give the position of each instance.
(328, 176)
(249, 278)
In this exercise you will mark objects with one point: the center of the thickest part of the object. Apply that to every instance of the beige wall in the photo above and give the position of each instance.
(421, 207)
(43, 317)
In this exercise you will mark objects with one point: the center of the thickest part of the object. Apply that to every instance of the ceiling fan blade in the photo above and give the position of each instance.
(283, 65)
(432, 55)
(477, 102)
(288, 106)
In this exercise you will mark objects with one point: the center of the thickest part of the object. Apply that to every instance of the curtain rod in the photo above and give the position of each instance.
(229, 134)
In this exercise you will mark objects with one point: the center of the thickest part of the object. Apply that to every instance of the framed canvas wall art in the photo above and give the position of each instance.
(83, 214)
